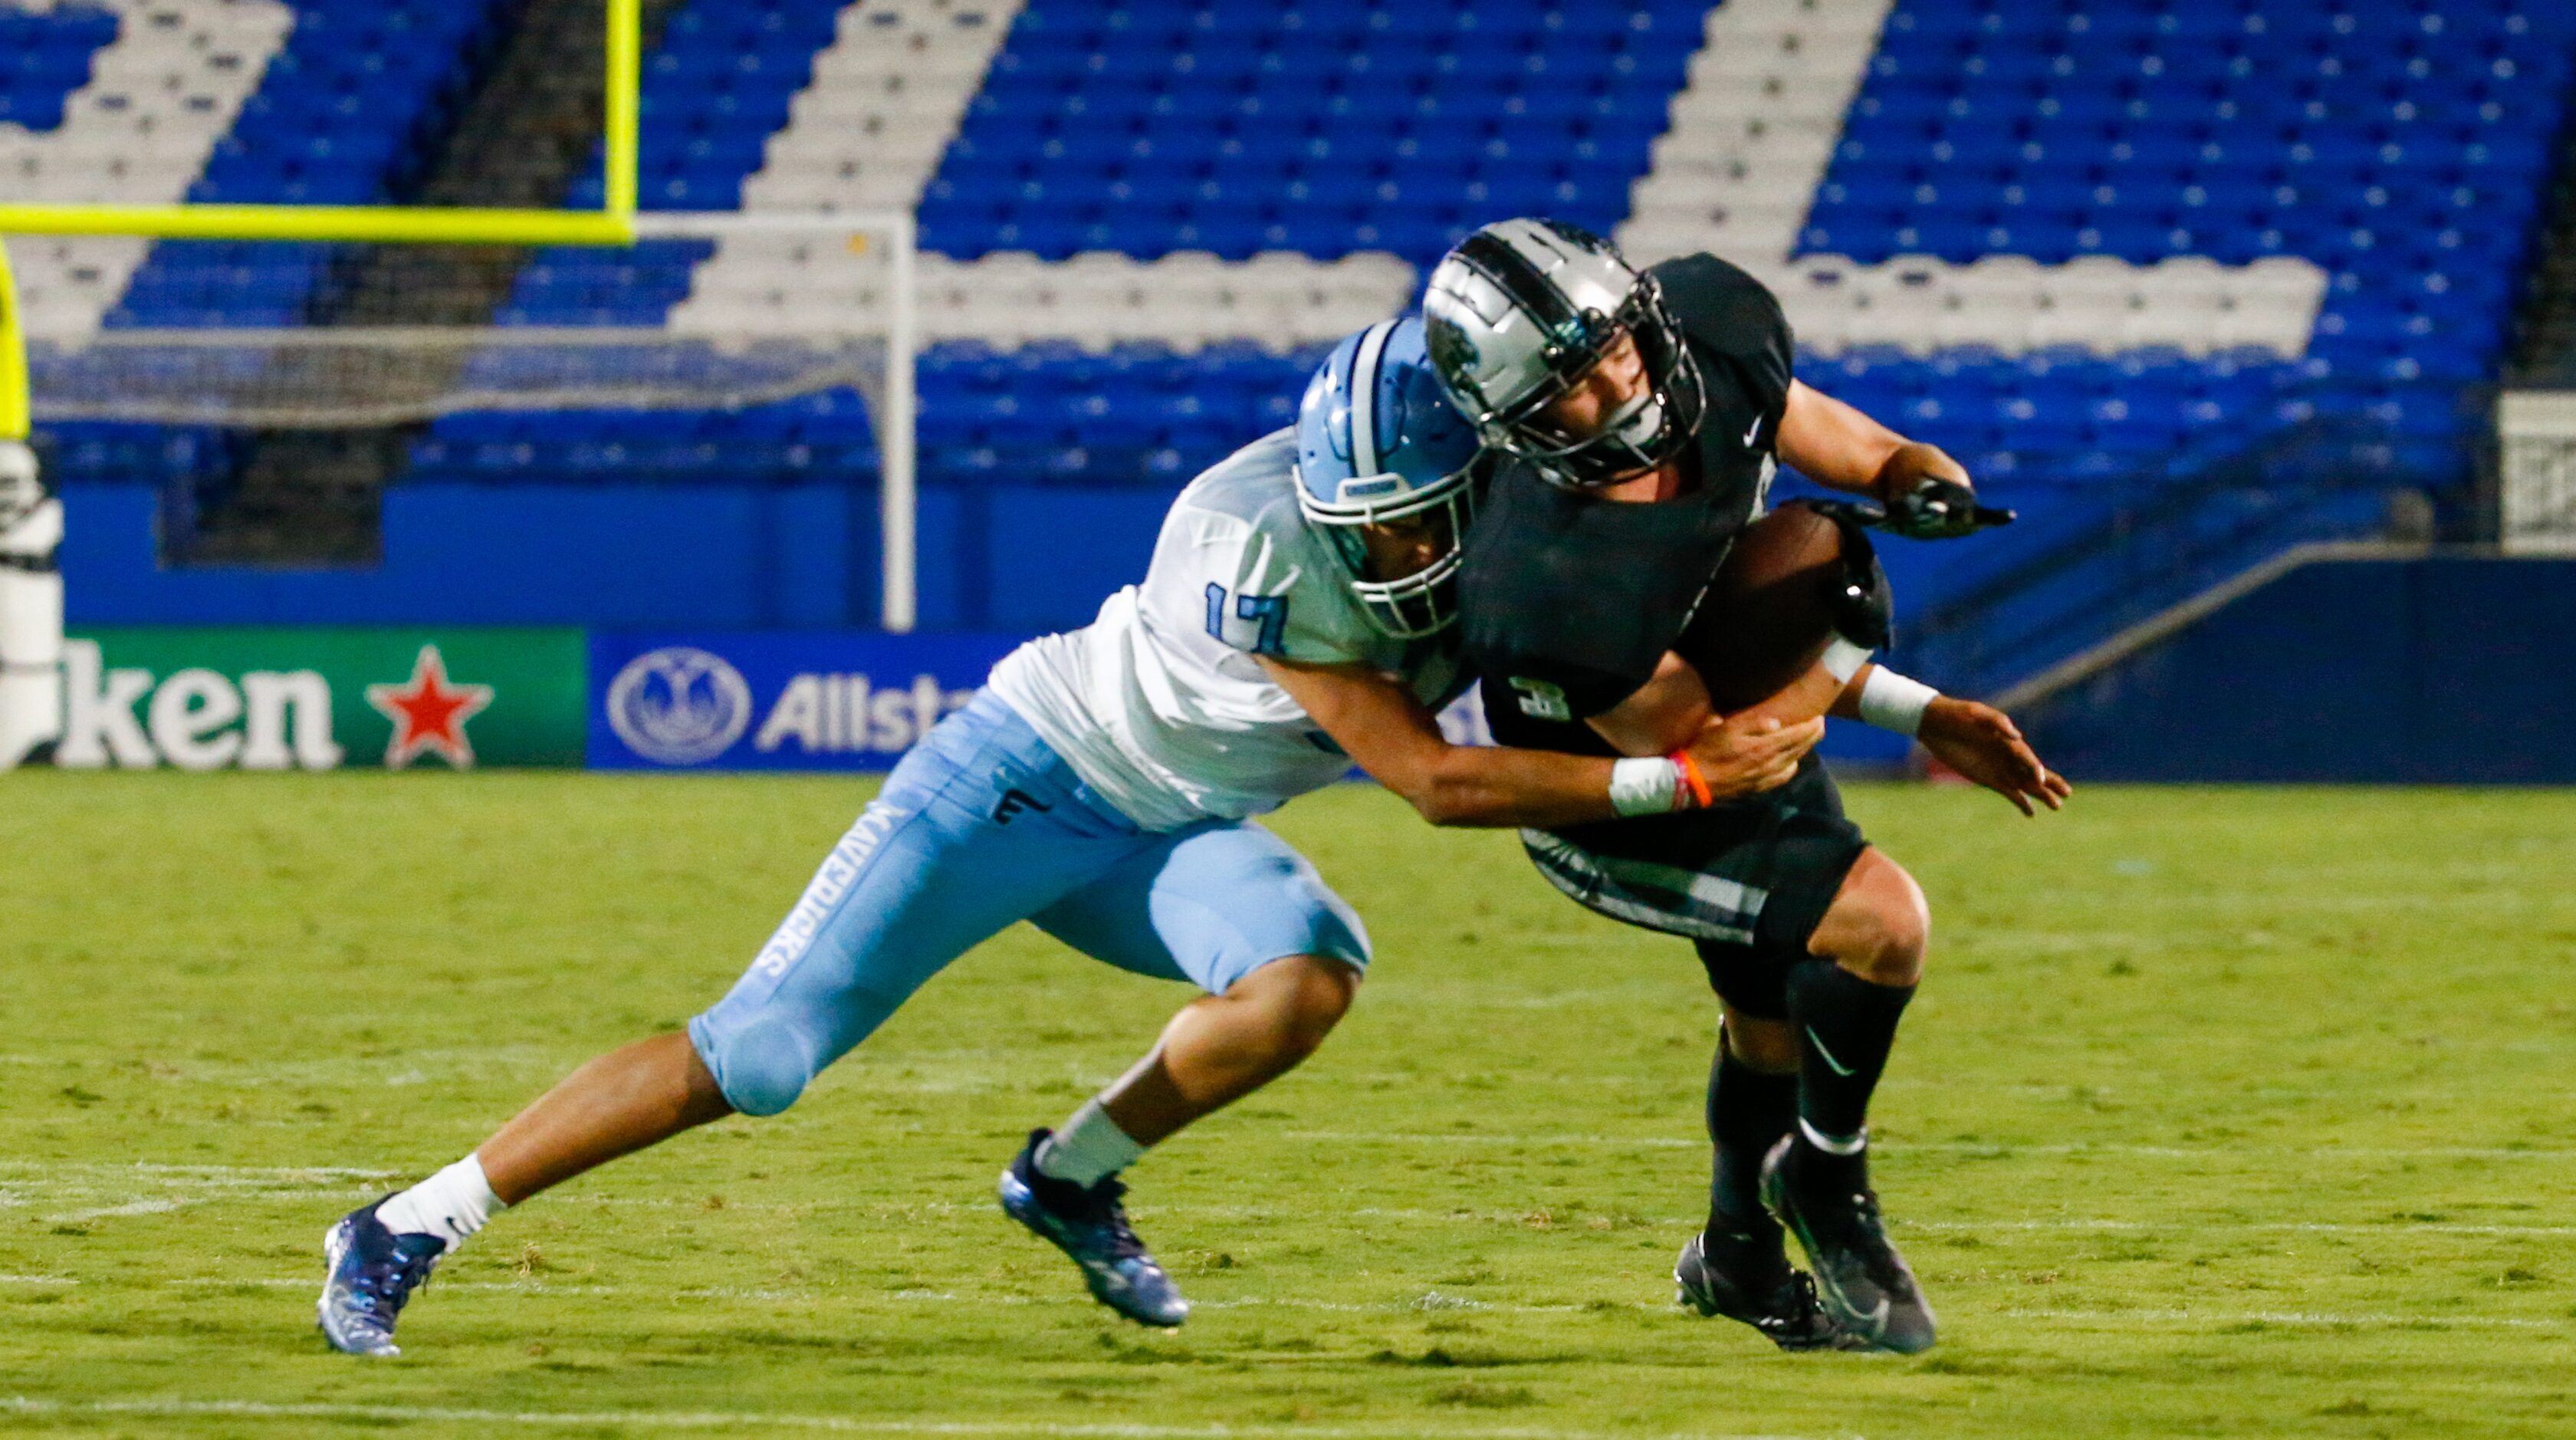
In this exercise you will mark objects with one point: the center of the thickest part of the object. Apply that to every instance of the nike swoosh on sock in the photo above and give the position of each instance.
(1831, 1063)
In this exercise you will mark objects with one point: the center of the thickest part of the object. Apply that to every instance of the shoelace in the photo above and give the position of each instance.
(1110, 1215)
(1801, 1311)
(390, 1283)
(1879, 1256)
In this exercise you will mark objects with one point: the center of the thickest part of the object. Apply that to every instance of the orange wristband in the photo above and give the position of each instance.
(1692, 780)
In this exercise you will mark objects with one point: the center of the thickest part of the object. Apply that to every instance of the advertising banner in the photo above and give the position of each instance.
(321, 698)
(776, 700)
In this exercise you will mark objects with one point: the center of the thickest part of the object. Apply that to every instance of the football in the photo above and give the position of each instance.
(1769, 612)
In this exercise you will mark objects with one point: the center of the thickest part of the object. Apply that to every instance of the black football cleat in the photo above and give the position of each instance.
(1780, 1303)
(1865, 1285)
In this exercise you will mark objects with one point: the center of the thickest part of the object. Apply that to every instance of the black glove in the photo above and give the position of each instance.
(1940, 510)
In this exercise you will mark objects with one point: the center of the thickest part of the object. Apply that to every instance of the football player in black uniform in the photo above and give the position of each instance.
(1639, 417)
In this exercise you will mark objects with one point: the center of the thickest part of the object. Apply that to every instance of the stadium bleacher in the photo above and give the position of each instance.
(2400, 147)
(48, 59)
(344, 112)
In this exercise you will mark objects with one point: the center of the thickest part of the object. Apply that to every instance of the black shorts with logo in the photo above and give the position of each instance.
(1747, 882)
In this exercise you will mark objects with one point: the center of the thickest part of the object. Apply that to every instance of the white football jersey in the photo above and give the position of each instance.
(1159, 704)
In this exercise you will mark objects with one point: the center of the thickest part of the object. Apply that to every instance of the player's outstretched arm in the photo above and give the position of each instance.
(1391, 736)
(1837, 445)
(1982, 744)
(1927, 494)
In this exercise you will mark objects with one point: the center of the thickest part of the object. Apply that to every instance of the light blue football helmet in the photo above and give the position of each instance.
(1378, 443)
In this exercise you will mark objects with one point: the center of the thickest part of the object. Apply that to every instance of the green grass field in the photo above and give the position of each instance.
(2224, 1112)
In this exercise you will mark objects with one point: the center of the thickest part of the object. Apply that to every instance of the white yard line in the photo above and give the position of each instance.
(2393, 1227)
(1429, 1302)
(212, 1173)
(2291, 1317)
(756, 1421)
(131, 1207)
(2213, 1151)
(164, 1188)
(160, 1194)
(177, 1187)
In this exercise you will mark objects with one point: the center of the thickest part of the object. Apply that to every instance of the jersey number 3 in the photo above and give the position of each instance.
(1267, 612)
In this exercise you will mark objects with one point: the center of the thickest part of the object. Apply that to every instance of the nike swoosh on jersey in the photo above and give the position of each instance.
(1756, 430)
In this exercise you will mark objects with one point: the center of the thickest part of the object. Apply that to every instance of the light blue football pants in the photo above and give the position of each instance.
(981, 825)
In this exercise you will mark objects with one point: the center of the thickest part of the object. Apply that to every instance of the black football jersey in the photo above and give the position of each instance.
(1569, 602)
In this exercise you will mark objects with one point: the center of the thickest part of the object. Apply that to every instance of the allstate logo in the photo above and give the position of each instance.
(679, 706)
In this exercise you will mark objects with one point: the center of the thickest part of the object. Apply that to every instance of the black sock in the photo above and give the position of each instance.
(1846, 1026)
(1748, 1112)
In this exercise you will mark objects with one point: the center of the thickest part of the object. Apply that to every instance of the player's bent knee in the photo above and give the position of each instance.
(1893, 952)
(1323, 994)
(1880, 926)
(1304, 996)
(762, 1067)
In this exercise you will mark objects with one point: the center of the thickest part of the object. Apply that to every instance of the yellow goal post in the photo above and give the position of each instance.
(811, 319)
(13, 358)
(612, 224)
(719, 351)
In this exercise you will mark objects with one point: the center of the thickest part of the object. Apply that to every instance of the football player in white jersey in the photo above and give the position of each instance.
(1296, 615)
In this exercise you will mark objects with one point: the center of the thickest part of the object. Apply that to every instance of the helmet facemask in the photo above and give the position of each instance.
(1651, 430)
(1421, 604)
(1521, 312)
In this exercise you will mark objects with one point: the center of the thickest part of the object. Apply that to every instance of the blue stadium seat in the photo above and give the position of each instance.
(2402, 147)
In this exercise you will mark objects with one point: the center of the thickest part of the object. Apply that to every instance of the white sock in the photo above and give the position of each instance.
(1088, 1148)
(451, 1204)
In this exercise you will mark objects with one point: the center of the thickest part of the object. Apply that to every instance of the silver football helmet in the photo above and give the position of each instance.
(1520, 312)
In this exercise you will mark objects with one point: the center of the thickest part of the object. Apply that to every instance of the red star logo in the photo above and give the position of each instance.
(429, 713)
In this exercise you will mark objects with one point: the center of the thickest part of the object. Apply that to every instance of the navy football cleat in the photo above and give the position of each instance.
(1091, 1227)
(1864, 1284)
(371, 1274)
(1780, 1301)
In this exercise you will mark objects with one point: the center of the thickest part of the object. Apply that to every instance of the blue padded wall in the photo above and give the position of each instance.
(538, 553)
(2375, 671)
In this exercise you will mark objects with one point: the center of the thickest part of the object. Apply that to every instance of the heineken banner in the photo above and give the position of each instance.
(776, 700)
(322, 698)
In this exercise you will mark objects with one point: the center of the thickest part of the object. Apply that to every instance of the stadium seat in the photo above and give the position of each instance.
(2039, 152)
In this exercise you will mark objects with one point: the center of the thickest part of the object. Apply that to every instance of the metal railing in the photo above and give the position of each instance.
(2135, 547)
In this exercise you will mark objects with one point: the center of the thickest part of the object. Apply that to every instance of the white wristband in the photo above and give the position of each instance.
(1892, 702)
(1645, 787)
(1843, 659)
